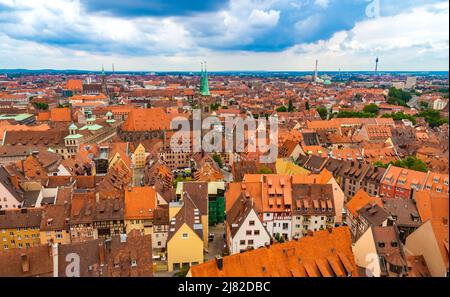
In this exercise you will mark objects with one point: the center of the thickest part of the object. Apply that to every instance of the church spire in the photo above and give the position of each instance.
(204, 85)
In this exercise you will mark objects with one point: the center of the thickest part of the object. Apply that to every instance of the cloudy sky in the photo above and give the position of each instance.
(172, 35)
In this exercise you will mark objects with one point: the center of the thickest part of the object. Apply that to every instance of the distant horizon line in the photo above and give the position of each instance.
(215, 71)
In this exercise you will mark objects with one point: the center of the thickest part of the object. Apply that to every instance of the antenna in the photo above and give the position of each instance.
(376, 65)
(315, 70)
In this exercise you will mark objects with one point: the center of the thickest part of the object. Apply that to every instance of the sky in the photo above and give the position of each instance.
(176, 35)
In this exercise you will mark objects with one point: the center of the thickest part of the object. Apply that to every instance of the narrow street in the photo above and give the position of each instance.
(216, 247)
(138, 174)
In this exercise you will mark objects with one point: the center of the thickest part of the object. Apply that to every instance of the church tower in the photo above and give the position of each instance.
(204, 85)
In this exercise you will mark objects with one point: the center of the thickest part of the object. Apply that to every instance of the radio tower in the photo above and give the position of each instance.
(315, 71)
(376, 65)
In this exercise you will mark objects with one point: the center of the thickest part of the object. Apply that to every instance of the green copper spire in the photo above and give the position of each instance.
(204, 85)
(103, 70)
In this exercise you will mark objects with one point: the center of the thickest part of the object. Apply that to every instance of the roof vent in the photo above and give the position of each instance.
(219, 262)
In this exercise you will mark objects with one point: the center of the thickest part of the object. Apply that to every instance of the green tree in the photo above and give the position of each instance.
(398, 97)
(218, 160)
(265, 170)
(358, 97)
(40, 105)
(410, 162)
(433, 118)
(322, 112)
(182, 272)
(371, 108)
(281, 109)
(423, 105)
(307, 107)
(180, 179)
(380, 164)
(214, 106)
(355, 114)
(398, 116)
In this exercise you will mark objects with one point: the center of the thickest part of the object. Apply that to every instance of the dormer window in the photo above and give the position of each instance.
(381, 244)
(133, 263)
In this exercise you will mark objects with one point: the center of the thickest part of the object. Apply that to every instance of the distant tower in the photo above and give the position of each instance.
(113, 67)
(204, 85)
(104, 88)
(376, 65)
(316, 76)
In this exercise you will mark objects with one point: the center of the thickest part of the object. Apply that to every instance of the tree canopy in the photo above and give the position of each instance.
(282, 109)
(410, 162)
(322, 112)
(371, 108)
(398, 116)
(398, 97)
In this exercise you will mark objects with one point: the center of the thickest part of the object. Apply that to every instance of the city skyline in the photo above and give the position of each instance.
(236, 35)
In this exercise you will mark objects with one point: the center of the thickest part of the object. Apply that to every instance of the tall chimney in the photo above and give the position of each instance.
(55, 258)
(25, 263)
(101, 253)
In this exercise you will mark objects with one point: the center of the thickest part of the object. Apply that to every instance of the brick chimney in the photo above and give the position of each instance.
(101, 253)
(25, 263)
(14, 181)
(54, 247)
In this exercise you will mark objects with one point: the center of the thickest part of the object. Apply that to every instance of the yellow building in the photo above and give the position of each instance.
(19, 228)
(185, 240)
(139, 156)
(140, 205)
(198, 192)
(55, 224)
(285, 166)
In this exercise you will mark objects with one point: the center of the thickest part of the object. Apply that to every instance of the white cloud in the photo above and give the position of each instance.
(417, 40)
(64, 22)
(322, 3)
(414, 40)
(261, 18)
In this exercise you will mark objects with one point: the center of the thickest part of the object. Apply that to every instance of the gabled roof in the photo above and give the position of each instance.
(198, 192)
(60, 114)
(360, 200)
(150, 119)
(189, 214)
(239, 212)
(14, 262)
(6, 182)
(323, 254)
(432, 205)
(55, 217)
(19, 218)
(140, 202)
